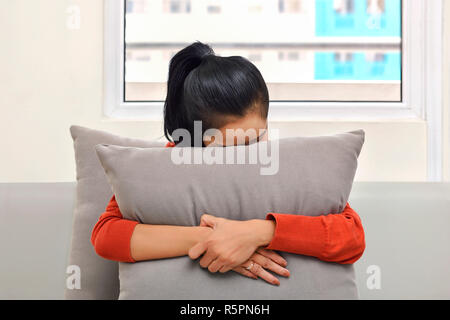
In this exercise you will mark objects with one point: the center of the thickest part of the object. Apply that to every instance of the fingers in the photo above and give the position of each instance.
(208, 220)
(207, 259)
(259, 271)
(273, 256)
(219, 265)
(197, 250)
(215, 266)
(226, 269)
(268, 264)
(245, 272)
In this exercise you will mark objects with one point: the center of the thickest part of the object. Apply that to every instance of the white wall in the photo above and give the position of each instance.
(446, 88)
(52, 78)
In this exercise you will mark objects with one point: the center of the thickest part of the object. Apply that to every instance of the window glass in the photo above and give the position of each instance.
(307, 50)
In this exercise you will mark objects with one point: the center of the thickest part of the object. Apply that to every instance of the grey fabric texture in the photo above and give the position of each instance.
(315, 177)
(99, 277)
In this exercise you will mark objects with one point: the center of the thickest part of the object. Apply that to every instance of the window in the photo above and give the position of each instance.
(136, 6)
(322, 59)
(333, 57)
(340, 53)
(344, 7)
(174, 6)
(289, 6)
(376, 7)
(289, 55)
(254, 57)
(214, 6)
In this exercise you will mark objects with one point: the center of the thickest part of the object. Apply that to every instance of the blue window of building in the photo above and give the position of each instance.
(358, 18)
(358, 66)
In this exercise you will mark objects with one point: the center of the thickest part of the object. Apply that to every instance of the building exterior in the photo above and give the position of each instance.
(290, 41)
(358, 18)
(378, 20)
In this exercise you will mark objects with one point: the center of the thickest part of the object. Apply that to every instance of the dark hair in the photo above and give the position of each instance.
(205, 87)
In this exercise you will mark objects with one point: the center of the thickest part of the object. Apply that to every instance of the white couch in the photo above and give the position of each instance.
(407, 229)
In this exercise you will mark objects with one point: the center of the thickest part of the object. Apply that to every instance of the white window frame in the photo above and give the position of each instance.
(422, 81)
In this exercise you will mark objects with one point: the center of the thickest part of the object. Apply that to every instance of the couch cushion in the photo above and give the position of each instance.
(99, 277)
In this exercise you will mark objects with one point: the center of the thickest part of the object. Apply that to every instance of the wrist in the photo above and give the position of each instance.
(202, 233)
(263, 231)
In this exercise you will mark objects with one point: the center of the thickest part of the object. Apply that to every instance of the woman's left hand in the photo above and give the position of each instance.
(231, 243)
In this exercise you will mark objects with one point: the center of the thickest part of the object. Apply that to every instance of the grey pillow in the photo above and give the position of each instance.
(315, 177)
(99, 277)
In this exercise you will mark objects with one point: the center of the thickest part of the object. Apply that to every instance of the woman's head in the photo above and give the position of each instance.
(220, 92)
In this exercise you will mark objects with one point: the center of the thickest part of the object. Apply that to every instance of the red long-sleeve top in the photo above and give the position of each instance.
(333, 238)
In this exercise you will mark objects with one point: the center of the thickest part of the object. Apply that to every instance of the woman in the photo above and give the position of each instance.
(226, 93)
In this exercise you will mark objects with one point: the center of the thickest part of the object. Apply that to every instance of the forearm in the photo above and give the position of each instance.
(263, 231)
(150, 242)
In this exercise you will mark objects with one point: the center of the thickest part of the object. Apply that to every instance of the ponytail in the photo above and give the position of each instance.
(181, 64)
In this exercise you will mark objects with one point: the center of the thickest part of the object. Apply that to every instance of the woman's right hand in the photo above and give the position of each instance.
(260, 263)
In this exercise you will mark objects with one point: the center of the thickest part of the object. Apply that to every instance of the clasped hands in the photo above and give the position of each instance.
(238, 246)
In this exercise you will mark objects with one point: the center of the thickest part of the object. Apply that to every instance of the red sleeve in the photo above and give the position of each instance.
(112, 233)
(111, 236)
(333, 238)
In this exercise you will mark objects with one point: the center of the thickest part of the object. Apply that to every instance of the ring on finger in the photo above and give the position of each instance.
(250, 266)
